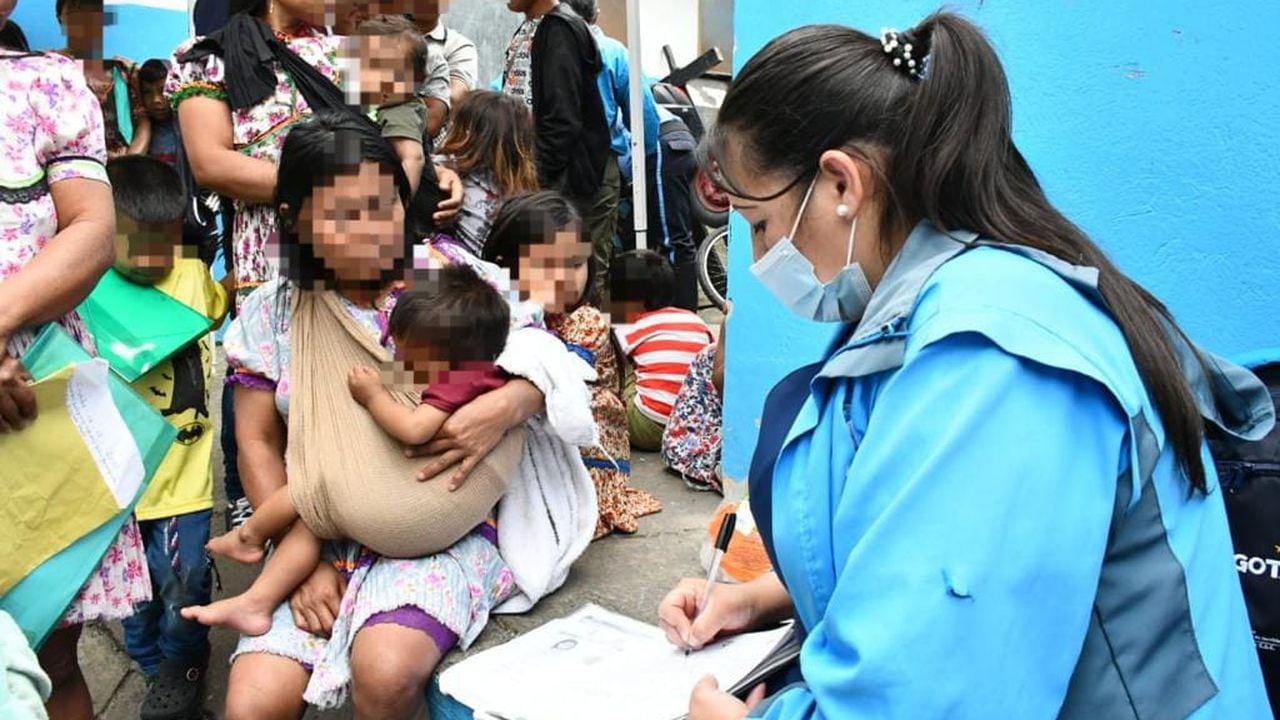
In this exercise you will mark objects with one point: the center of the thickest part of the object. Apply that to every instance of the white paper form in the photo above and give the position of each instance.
(597, 664)
(104, 431)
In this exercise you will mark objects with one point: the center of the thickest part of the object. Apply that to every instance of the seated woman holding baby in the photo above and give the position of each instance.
(376, 574)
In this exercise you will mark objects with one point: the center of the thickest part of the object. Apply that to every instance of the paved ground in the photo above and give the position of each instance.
(626, 574)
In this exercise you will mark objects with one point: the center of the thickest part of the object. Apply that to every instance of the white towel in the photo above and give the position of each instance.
(548, 516)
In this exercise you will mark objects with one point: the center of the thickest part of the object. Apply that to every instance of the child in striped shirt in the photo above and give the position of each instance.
(659, 342)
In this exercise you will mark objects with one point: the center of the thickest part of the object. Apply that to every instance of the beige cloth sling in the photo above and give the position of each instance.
(348, 478)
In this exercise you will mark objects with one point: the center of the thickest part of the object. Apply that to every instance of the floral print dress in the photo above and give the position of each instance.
(52, 132)
(693, 438)
(586, 330)
(258, 132)
(103, 86)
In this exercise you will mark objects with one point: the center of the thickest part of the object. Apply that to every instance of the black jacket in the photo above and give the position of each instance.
(573, 138)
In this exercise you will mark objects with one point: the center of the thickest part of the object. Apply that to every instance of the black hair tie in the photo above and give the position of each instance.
(907, 54)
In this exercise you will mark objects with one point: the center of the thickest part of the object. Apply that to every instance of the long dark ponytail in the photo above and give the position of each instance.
(940, 141)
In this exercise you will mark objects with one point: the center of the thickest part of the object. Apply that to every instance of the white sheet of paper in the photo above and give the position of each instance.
(104, 431)
(595, 664)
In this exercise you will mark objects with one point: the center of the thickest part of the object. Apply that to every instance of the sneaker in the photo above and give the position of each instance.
(175, 693)
(238, 513)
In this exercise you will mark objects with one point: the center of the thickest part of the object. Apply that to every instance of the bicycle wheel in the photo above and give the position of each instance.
(713, 267)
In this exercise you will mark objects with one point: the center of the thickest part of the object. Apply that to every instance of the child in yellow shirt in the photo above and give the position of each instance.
(174, 513)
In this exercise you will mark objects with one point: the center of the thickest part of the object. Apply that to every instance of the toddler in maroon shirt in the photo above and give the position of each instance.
(447, 333)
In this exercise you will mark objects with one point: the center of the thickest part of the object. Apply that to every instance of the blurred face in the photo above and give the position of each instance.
(626, 311)
(347, 14)
(154, 103)
(421, 361)
(355, 224)
(83, 28)
(145, 252)
(520, 6)
(379, 70)
(555, 275)
(426, 13)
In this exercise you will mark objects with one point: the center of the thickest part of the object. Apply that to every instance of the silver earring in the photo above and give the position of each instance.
(843, 211)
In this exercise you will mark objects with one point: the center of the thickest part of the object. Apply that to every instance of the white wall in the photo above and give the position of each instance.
(667, 22)
(662, 22)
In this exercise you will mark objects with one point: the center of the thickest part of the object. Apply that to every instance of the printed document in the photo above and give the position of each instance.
(599, 664)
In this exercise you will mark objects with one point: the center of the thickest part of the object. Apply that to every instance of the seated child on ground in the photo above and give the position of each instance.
(176, 509)
(694, 436)
(447, 331)
(490, 145)
(542, 241)
(386, 61)
(659, 342)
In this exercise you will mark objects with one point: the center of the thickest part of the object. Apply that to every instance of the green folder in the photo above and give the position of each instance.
(138, 327)
(42, 597)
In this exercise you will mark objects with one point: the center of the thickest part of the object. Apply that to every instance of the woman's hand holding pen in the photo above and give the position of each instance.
(730, 612)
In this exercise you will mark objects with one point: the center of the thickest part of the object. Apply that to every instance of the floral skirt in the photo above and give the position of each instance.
(692, 440)
(621, 506)
(457, 588)
(120, 582)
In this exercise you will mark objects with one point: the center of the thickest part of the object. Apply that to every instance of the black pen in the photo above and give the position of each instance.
(722, 546)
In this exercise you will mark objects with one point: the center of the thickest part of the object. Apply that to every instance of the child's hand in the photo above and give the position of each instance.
(364, 383)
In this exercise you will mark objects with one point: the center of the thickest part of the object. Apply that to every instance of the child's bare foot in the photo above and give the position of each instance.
(240, 613)
(236, 545)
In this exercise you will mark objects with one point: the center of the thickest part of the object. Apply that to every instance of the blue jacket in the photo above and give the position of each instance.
(977, 515)
(615, 89)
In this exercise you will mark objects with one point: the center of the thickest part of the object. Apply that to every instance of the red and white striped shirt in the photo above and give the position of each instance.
(662, 344)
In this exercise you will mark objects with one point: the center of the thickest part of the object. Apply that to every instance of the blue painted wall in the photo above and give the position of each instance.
(1155, 126)
(140, 31)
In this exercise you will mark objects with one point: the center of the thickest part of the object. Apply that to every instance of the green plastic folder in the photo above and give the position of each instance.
(41, 598)
(138, 327)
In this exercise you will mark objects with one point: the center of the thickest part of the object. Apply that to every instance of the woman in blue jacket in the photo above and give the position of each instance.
(992, 497)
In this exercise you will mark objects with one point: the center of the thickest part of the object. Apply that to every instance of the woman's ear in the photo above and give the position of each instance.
(846, 171)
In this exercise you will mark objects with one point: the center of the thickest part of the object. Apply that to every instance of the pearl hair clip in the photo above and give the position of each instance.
(901, 49)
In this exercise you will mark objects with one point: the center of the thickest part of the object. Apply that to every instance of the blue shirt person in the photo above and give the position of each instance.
(991, 496)
(615, 89)
(670, 164)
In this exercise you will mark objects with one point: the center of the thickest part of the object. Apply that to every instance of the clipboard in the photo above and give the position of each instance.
(40, 599)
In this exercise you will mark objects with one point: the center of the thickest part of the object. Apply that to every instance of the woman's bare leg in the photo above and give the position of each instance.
(390, 668)
(265, 687)
(70, 699)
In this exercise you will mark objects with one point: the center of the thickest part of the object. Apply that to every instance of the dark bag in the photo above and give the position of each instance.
(204, 223)
(1250, 475)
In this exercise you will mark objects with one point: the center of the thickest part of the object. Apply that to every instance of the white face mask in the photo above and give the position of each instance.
(791, 278)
